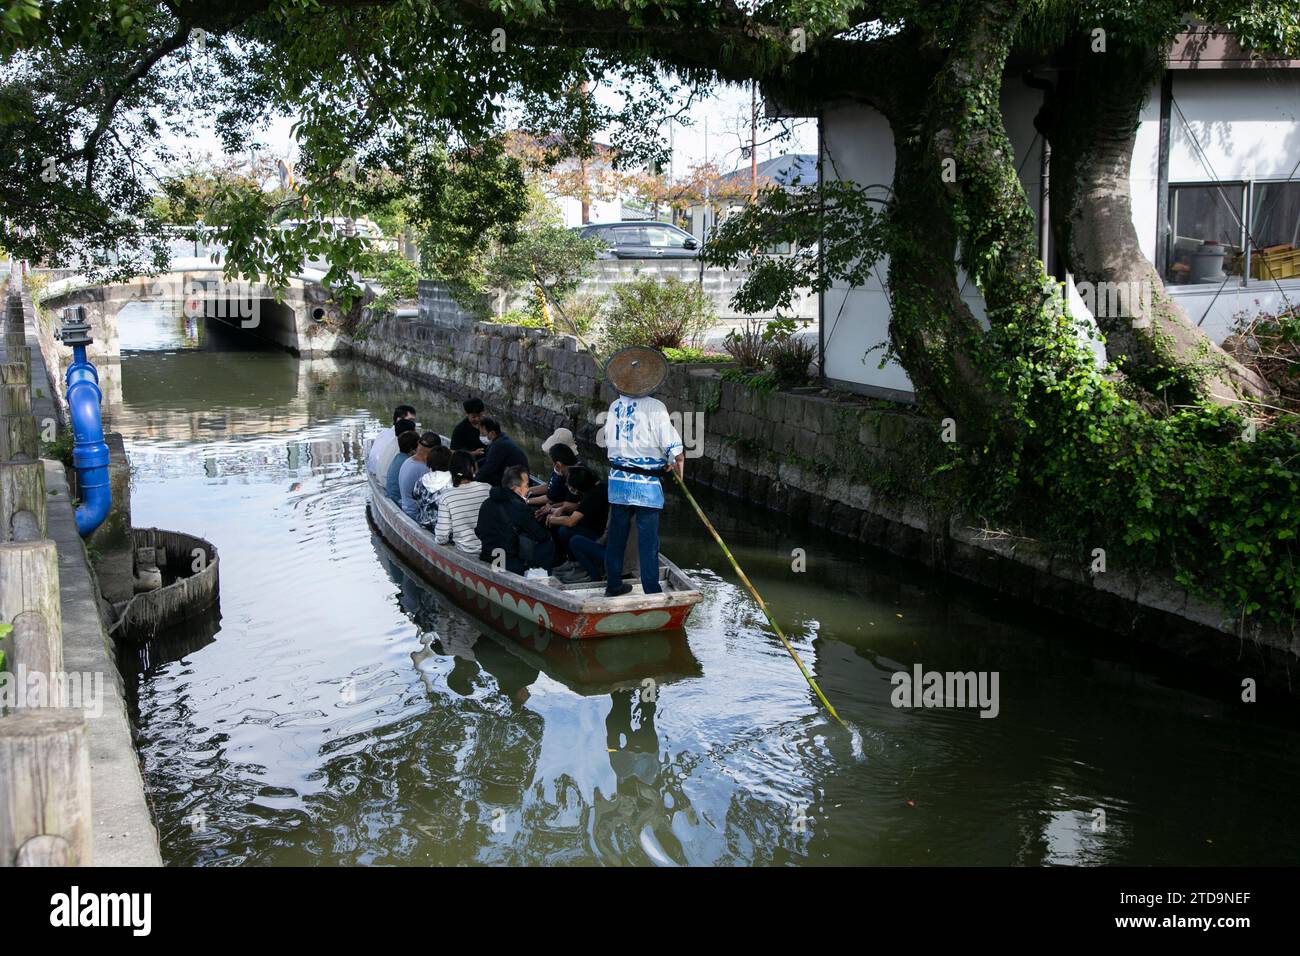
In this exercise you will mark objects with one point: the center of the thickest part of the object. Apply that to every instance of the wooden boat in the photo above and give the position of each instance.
(579, 611)
(588, 668)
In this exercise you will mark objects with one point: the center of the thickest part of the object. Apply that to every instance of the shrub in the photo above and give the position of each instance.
(399, 276)
(690, 354)
(1270, 344)
(788, 355)
(748, 346)
(530, 318)
(662, 315)
(583, 309)
(60, 449)
(548, 258)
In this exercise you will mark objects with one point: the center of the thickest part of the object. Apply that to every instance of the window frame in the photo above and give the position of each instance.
(1243, 221)
(1245, 217)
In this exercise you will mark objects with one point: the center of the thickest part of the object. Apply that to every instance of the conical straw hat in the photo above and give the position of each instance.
(636, 371)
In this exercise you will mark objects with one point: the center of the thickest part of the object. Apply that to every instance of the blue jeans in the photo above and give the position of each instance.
(647, 531)
(589, 555)
(543, 556)
(564, 540)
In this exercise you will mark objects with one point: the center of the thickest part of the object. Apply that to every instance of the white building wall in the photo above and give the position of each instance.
(1247, 125)
(858, 145)
(602, 210)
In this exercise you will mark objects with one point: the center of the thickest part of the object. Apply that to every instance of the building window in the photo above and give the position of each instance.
(1207, 238)
(1275, 231)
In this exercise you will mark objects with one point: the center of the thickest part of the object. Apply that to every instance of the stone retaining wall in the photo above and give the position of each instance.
(438, 306)
(856, 467)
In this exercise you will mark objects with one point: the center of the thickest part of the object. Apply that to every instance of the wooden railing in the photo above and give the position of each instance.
(45, 813)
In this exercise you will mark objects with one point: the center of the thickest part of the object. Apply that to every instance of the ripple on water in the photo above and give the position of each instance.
(344, 713)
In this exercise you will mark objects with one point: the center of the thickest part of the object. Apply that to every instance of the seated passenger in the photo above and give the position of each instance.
(429, 489)
(415, 468)
(589, 556)
(587, 520)
(555, 492)
(506, 529)
(458, 510)
(561, 436)
(502, 453)
(406, 444)
(466, 436)
(384, 446)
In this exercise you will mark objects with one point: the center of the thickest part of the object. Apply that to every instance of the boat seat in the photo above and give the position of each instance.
(634, 580)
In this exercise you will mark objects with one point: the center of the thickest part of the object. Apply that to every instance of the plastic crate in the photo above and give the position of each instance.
(1275, 262)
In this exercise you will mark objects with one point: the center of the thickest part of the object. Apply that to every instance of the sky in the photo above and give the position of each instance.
(717, 131)
(720, 128)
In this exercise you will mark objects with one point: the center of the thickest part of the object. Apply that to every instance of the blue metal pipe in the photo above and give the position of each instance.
(89, 450)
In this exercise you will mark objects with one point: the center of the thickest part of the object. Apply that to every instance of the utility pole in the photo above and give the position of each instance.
(753, 140)
(582, 163)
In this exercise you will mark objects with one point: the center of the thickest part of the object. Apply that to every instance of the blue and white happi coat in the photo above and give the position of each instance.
(639, 432)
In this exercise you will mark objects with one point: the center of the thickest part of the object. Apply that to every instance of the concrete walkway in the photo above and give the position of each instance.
(123, 829)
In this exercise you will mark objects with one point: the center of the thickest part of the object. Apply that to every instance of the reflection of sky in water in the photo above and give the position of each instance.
(346, 713)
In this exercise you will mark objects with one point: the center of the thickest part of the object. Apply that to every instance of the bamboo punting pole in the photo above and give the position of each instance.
(735, 565)
(758, 598)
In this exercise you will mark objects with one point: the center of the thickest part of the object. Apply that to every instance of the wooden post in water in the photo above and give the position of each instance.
(45, 811)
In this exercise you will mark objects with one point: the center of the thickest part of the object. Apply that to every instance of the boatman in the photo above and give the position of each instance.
(642, 445)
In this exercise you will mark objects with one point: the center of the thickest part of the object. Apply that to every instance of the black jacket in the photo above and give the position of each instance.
(500, 455)
(464, 437)
(502, 520)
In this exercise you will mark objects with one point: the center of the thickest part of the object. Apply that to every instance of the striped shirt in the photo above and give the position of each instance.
(458, 514)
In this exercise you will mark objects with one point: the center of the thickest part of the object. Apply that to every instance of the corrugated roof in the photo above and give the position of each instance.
(788, 170)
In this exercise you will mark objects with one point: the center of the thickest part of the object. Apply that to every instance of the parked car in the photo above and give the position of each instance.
(642, 240)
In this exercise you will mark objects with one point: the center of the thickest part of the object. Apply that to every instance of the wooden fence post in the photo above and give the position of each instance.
(22, 489)
(45, 811)
(29, 584)
(37, 647)
(15, 389)
(18, 437)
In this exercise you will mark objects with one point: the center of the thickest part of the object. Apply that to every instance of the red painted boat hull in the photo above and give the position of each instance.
(470, 576)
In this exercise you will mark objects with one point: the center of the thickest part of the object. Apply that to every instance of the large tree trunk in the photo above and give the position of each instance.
(966, 134)
(1091, 121)
(933, 330)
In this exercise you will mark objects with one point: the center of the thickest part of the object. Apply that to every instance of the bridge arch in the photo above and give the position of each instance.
(302, 319)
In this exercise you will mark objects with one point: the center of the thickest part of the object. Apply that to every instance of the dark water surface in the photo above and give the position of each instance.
(341, 711)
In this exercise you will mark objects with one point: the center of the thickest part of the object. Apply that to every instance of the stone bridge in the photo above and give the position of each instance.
(302, 319)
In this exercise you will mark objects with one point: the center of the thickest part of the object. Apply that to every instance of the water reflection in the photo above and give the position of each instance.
(343, 711)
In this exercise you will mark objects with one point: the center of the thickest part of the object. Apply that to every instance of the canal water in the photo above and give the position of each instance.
(339, 710)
